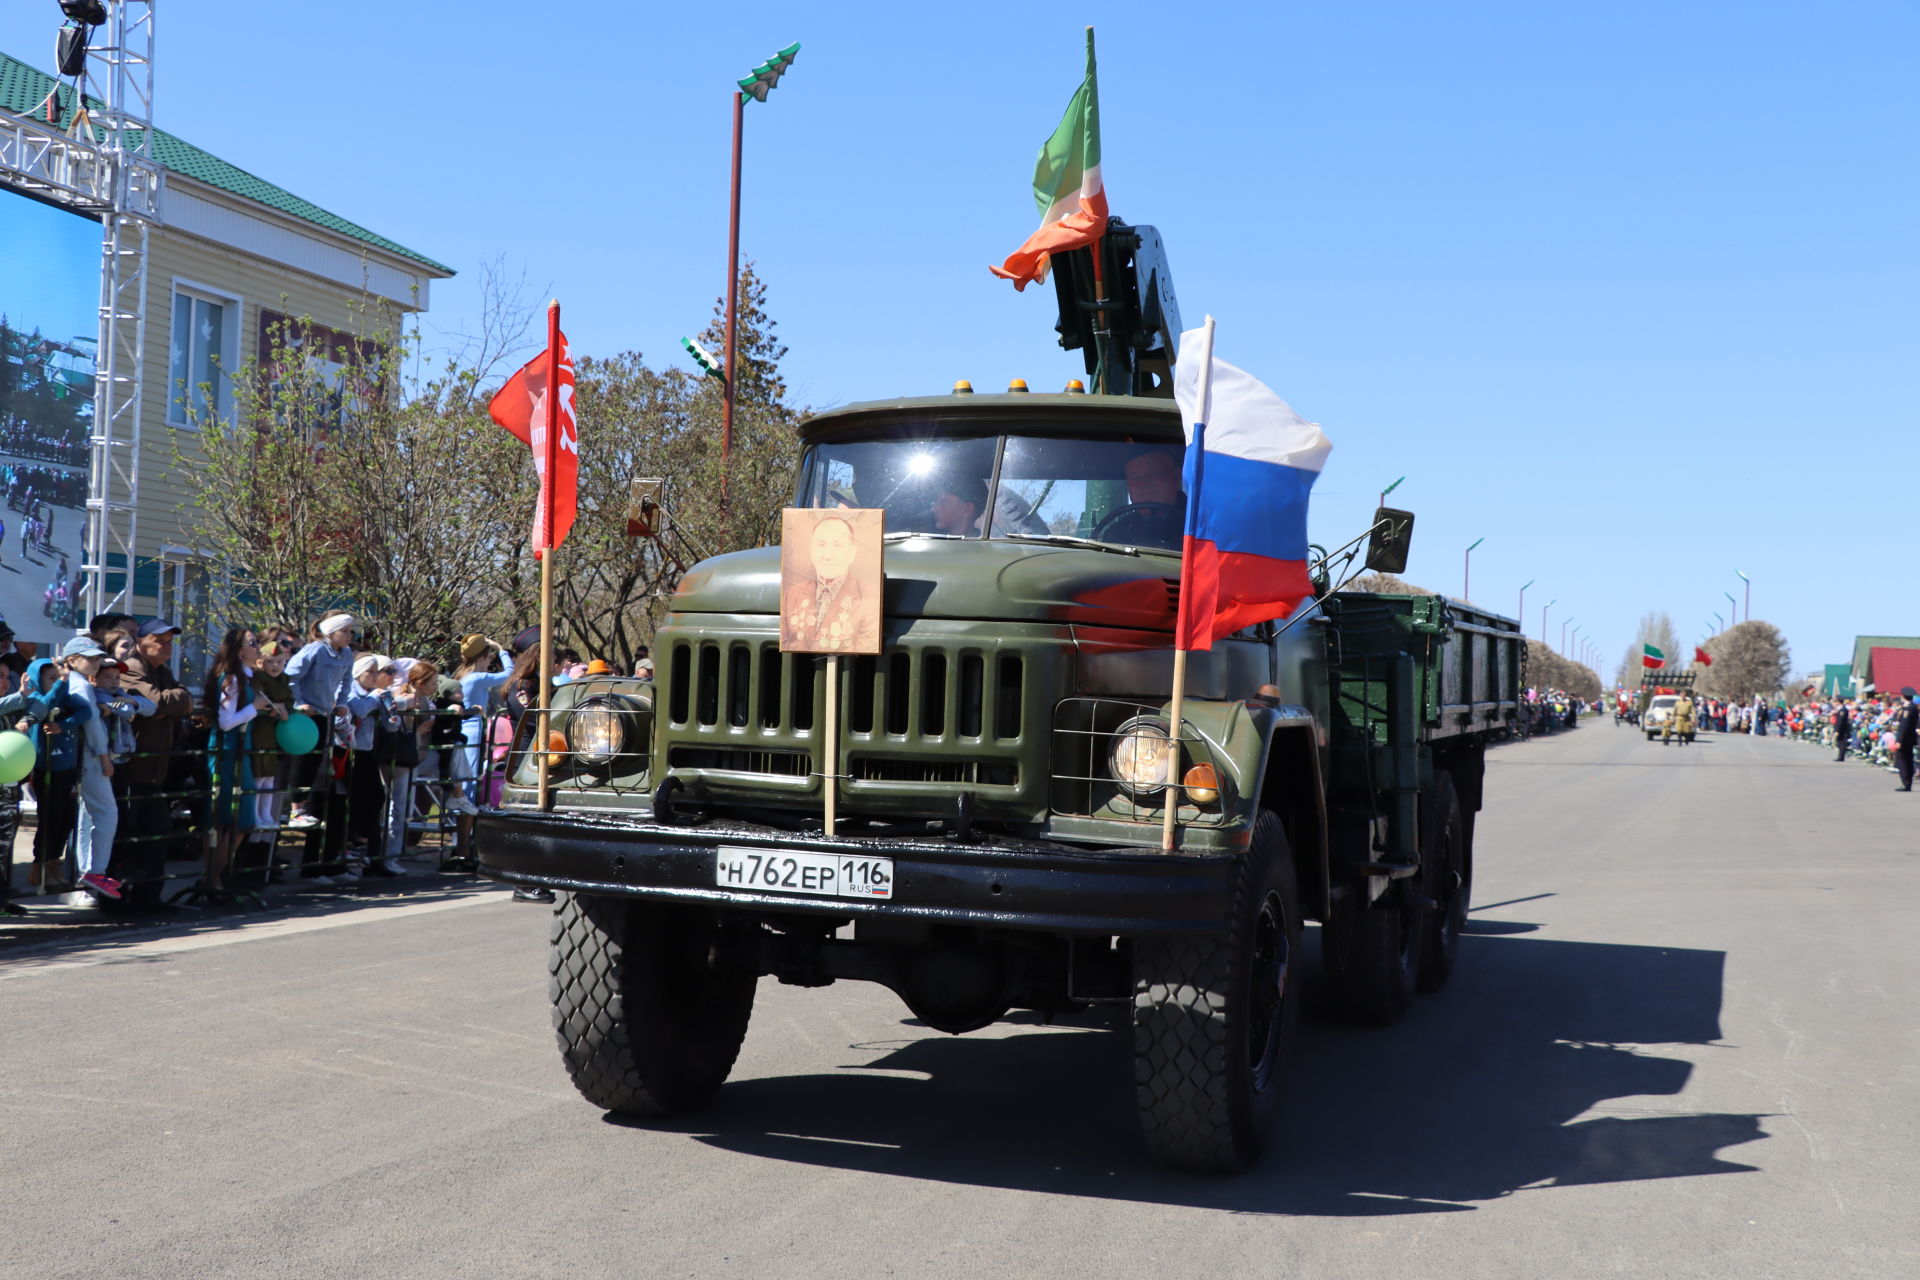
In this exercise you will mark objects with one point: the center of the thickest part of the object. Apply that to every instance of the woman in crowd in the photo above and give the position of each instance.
(412, 703)
(230, 692)
(56, 770)
(484, 669)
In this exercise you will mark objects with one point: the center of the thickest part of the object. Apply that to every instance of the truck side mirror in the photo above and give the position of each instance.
(643, 506)
(1392, 539)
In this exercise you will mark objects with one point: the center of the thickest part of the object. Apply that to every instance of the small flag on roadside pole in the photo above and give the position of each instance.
(1702, 657)
(1066, 186)
(546, 424)
(1651, 658)
(1251, 463)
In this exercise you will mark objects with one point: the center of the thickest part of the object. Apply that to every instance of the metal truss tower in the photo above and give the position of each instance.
(102, 165)
(125, 132)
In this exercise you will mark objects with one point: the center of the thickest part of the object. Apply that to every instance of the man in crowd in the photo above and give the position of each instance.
(139, 860)
(1906, 732)
(319, 674)
(1842, 729)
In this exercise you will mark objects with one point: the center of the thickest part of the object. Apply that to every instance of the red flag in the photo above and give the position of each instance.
(1702, 657)
(546, 423)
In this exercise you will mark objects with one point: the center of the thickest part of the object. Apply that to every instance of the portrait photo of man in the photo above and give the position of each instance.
(830, 580)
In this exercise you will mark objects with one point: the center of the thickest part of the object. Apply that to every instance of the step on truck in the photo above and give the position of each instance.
(1000, 767)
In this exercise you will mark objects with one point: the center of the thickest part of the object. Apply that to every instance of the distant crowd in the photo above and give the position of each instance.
(29, 440)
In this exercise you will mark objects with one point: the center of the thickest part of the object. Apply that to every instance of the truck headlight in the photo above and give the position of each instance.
(1139, 757)
(596, 733)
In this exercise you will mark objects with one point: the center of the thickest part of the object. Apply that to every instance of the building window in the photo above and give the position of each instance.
(205, 327)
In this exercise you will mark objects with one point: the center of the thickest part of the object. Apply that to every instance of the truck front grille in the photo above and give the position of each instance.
(930, 717)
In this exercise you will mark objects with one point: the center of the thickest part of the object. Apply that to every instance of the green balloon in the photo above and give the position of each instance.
(297, 735)
(16, 757)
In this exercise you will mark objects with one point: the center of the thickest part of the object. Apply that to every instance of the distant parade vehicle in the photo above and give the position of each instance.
(998, 762)
(1667, 706)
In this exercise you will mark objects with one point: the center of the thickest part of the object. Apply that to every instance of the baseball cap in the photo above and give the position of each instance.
(158, 627)
(82, 647)
(1907, 692)
(112, 664)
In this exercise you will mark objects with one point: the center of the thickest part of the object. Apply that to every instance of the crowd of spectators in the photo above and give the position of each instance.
(132, 769)
(1878, 729)
(29, 488)
(25, 439)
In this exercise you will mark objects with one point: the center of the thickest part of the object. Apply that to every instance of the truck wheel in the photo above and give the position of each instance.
(648, 1024)
(1213, 1019)
(1371, 953)
(1447, 876)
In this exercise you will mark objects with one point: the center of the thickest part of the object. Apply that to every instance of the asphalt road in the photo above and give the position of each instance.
(1681, 1042)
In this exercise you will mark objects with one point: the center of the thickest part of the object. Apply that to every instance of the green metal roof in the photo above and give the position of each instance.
(24, 88)
(1863, 647)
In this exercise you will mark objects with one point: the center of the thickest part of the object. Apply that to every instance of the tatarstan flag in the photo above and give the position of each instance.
(1651, 658)
(1066, 186)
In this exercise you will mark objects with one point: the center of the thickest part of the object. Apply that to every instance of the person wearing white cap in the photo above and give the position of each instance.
(319, 674)
(366, 781)
(100, 816)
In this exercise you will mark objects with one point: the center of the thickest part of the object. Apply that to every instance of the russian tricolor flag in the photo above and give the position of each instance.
(1251, 462)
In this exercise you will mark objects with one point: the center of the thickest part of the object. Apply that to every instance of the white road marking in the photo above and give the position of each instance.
(116, 954)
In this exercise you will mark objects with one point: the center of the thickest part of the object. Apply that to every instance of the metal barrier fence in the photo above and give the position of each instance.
(372, 808)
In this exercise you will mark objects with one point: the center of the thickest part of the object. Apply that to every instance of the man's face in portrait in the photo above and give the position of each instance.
(832, 548)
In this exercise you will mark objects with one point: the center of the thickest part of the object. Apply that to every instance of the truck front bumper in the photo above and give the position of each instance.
(996, 883)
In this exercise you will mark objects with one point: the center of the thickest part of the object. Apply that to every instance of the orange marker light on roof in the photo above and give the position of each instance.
(1018, 384)
(963, 388)
(1075, 387)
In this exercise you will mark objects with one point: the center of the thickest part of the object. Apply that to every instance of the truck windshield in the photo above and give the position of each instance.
(1126, 493)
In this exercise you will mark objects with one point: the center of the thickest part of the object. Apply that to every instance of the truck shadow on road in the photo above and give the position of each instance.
(1479, 1094)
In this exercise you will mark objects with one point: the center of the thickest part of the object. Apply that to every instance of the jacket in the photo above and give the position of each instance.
(155, 736)
(56, 752)
(320, 675)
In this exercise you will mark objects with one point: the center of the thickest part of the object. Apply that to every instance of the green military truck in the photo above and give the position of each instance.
(1001, 767)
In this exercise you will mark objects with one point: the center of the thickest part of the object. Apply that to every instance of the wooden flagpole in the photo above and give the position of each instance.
(550, 465)
(830, 742)
(1178, 706)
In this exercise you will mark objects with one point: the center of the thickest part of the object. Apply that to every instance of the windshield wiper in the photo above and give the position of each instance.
(1071, 540)
(901, 534)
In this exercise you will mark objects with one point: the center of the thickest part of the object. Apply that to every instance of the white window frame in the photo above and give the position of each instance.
(229, 346)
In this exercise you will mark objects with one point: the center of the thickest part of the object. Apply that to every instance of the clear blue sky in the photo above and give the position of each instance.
(1628, 290)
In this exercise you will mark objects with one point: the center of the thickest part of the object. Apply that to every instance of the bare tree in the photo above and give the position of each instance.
(1655, 629)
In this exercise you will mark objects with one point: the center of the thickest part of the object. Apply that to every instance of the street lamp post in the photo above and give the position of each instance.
(1466, 573)
(1749, 592)
(1719, 624)
(1543, 617)
(1567, 622)
(757, 85)
(1733, 606)
(1521, 611)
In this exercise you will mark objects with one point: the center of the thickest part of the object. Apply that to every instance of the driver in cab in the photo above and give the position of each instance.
(1156, 510)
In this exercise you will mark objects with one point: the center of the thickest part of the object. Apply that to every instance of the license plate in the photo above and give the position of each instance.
(823, 875)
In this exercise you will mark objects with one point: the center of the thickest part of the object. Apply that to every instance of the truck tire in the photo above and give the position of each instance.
(1446, 874)
(648, 1025)
(1214, 1016)
(1371, 954)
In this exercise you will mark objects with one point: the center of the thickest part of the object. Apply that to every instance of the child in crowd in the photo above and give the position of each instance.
(270, 682)
(101, 819)
(366, 782)
(23, 713)
(56, 768)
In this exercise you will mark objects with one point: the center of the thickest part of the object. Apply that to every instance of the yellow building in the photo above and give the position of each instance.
(227, 256)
